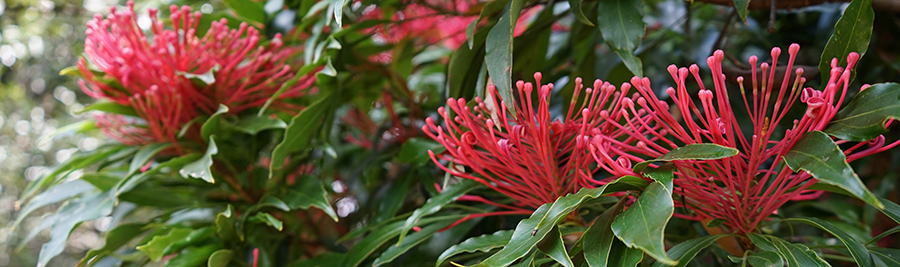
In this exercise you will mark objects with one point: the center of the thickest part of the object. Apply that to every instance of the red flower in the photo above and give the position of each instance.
(531, 157)
(173, 75)
(744, 189)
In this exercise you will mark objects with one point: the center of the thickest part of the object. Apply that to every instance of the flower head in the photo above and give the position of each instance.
(744, 189)
(172, 75)
(530, 157)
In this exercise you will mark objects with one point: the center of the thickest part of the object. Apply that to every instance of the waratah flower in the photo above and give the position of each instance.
(186, 73)
(741, 190)
(531, 157)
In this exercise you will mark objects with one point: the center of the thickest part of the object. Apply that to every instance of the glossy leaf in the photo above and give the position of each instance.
(111, 108)
(299, 133)
(704, 151)
(622, 255)
(201, 168)
(622, 26)
(891, 209)
(309, 192)
(225, 225)
(248, 9)
(529, 232)
(685, 251)
(765, 259)
(488, 10)
(852, 33)
(575, 7)
(220, 258)
(115, 239)
(819, 156)
(890, 257)
(865, 116)
(499, 52)
(415, 150)
(78, 161)
(483, 243)
(144, 155)
(379, 237)
(55, 194)
(857, 249)
(643, 224)
(599, 238)
(157, 246)
(435, 203)
(68, 216)
(269, 220)
(192, 256)
(793, 254)
(554, 247)
(254, 125)
(414, 239)
(741, 7)
(213, 124)
(338, 9)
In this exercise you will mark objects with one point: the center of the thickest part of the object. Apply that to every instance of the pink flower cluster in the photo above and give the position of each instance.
(534, 159)
(173, 76)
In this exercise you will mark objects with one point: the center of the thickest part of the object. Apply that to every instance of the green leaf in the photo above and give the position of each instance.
(415, 150)
(622, 255)
(488, 10)
(687, 250)
(703, 151)
(225, 225)
(196, 236)
(891, 209)
(741, 7)
(192, 256)
(144, 155)
(158, 245)
(111, 108)
(55, 194)
(220, 258)
(482, 243)
(765, 259)
(302, 72)
(819, 156)
(126, 184)
(857, 250)
(793, 254)
(299, 133)
(664, 174)
(380, 236)
(865, 116)
(201, 167)
(575, 8)
(622, 26)
(529, 232)
(884, 234)
(145, 195)
(643, 224)
(499, 52)
(599, 238)
(78, 161)
(77, 127)
(254, 125)
(115, 239)
(270, 220)
(852, 33)
(435, 203)
(411, 241)
(248, 9)
(554, 247)
(309, 191)
(890, 257)
(338, 9)
(71, 214)
(213, 124)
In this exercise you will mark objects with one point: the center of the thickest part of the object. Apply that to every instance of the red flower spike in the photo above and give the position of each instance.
(530, 158)
(193, 74)
(744, 189)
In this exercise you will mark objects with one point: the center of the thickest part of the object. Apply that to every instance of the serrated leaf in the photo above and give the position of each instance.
(299, 132)
(435, 203)
(865, 116)
(499, 52)
(482, 243)
(704, 151)
(393, 252)
(857, 250)
(643, 224)
(622, 26)
(220, 258)
(201, 168)
(248, 9)
(852, 33)
(213, 124)
(599, 238)
(309, 192)
(68, 216)
(685, 251)
(157, 246)
(819, 156)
